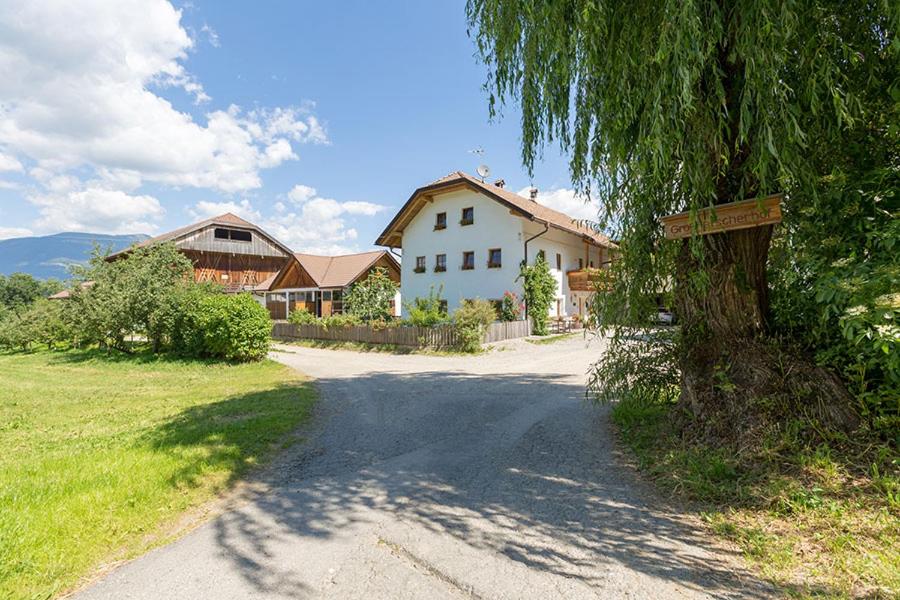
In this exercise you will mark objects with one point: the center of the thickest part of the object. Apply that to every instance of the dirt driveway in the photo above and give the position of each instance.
(444, 477)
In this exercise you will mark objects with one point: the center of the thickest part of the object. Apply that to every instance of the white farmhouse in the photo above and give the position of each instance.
(470, 237)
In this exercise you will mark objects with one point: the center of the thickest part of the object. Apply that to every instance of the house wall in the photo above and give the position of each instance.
(570, 248)
(493, 227)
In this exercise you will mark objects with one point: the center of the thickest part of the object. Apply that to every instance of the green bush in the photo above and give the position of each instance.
(42, 322)
(340, 321)
(470, 321)
(233, 327)
(372, 298)
(302, 316)
(428, 311)
(540, 291)
(511, 307)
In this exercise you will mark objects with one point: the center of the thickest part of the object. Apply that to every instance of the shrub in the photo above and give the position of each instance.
(470, 321)
(301, 316)
(233, 327)
(340, 321)
(540, 291)
(372, 298)
(428, 311)
(510, 307)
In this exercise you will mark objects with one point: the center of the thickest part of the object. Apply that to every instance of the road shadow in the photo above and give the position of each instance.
(517, 465)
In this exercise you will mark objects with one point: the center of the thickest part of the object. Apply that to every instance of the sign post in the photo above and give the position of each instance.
(725, 217)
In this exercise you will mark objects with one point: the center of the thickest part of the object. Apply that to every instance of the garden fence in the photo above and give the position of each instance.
(442, 336)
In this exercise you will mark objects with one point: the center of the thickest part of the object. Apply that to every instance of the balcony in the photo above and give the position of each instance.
(588, 280)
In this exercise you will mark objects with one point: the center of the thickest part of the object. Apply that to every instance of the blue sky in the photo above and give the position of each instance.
(315, 119)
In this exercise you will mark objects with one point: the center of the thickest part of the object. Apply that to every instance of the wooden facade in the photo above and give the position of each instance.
(234, 271)
(317, 284)
(226, 250)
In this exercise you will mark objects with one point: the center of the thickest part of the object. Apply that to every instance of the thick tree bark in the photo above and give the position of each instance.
(737, 383)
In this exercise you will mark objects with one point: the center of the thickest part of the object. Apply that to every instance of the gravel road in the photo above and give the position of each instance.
(444, 477)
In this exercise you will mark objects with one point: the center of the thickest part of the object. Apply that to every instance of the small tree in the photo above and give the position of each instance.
(510, 307)
(371, 299)
(470, 321)
(540, 290)
(427, 311)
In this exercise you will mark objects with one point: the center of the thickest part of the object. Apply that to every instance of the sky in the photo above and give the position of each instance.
(315, 120)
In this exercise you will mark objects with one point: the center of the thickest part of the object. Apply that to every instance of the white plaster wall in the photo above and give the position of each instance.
(494, 227)
(571, 248)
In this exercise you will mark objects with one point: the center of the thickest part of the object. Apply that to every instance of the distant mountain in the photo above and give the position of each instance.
(50, 255)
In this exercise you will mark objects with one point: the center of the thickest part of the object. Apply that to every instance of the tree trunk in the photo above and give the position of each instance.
(737, 383)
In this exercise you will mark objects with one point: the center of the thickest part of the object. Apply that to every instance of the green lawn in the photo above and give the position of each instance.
(98, 455)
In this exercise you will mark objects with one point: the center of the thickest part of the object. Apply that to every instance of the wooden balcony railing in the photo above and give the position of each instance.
(587, 280)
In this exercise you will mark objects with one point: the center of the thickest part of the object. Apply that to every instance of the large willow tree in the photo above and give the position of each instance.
(672, 105)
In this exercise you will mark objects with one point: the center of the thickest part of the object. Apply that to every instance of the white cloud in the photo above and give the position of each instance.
(310, 224)
(301, 193)
(9, 162)
(206, 209)
(79, 88)
(566, 201)
(211, 34)
(14, 232)
(94, 208)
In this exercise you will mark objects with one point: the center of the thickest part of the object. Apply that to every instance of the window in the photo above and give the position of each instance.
(468, 216)
(337, 302)
(495, 258)
(497, 306)
(468, 262)
(440, 263)
(580, 264)
(326, 295)
(237, 235)
(442, 305)
(591, 264)
(541, 255)
(440, 221)
(420, 264)
(558, 261)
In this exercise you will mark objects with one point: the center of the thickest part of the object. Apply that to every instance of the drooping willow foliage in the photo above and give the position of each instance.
(666, 106)
(672, 105)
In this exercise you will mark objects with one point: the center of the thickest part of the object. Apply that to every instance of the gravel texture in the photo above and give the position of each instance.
(444, 477)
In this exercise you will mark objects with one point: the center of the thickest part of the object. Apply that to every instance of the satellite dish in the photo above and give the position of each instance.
(483, 171)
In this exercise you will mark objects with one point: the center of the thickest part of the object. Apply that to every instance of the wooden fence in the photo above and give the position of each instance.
(443, 336)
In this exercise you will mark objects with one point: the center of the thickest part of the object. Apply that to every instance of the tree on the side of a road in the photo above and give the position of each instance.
(671, 106)
(372, 298)
(539, 288)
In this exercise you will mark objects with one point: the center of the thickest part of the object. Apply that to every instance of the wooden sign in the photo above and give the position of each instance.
(725, 217)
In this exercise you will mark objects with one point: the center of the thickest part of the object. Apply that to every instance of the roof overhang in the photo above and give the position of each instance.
(392, 235)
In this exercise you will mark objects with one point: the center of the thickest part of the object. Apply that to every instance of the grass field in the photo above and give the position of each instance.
(818, 521)
(98, 455)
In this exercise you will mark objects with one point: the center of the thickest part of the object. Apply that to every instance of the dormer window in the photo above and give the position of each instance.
(440, 221)
(468, 216)
(236, 235)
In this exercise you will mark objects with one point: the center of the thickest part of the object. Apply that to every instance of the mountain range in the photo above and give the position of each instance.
(50, 255)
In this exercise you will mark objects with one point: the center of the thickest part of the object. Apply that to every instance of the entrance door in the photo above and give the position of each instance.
(559, 311)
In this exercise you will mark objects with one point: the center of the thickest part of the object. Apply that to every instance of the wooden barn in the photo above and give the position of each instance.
(317, 283)
(227, 250)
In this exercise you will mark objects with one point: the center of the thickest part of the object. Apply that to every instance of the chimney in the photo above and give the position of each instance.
(500, 183)
(533, 193)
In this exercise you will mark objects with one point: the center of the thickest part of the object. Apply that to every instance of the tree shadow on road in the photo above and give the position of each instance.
(516, 465)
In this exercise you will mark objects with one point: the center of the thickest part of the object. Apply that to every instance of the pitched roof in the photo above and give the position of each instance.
(525, 207)
(227, 219)
(339, 271)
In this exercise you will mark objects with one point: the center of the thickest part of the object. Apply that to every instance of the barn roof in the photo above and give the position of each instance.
(226, 220)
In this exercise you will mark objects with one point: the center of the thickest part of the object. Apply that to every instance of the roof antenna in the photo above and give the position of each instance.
(483, 171)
